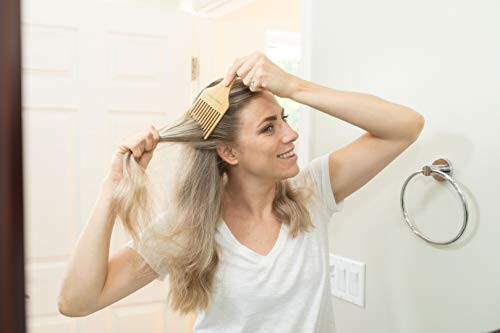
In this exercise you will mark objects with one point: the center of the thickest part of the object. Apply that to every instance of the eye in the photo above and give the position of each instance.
(270, 126)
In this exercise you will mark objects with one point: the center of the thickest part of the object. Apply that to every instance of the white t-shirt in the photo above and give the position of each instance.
(288, 290)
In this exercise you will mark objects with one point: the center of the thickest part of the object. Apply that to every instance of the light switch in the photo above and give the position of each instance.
(347, 279)
(353, 284)
(341, 280)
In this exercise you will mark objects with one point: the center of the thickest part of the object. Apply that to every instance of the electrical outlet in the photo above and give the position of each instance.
(347, 279)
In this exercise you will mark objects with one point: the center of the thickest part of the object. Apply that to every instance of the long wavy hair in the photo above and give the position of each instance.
(186, 244)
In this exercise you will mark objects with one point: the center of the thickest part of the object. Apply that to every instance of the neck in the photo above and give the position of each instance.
(251, 198)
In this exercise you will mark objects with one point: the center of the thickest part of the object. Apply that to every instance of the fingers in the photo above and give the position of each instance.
(152, 137)
(145, 159)
(243, 71)
(156, 133)
(251, 78)
(148, 142)
(141, 143)
(246, 69)
(136, 145)
(231, 72)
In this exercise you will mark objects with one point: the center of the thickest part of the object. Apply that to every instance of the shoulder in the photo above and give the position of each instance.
(310, 175)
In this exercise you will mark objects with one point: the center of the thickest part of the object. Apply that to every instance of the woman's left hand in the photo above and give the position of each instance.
(260, 73)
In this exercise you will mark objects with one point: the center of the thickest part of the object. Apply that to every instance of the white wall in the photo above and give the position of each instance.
(441, 59)
(237, 34)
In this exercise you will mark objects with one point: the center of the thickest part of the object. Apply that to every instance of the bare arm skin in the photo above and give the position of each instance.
(391, 129)
(93, 280)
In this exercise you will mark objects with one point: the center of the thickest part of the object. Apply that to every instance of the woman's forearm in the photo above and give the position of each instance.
(87, 269)
(377, 116)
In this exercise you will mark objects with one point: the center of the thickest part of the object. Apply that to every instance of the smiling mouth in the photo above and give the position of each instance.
(286, 156)
(288, 151)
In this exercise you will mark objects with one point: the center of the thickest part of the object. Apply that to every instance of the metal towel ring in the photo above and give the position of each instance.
(441, 169)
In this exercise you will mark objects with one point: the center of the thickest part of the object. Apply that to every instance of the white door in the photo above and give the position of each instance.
(93, 72)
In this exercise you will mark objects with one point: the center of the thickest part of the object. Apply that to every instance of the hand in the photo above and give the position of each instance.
(265, 75)
(141, 145)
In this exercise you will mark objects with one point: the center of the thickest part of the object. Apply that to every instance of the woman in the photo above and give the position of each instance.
(244, 241)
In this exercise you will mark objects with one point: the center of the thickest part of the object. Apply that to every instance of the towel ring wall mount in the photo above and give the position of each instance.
(441, 170)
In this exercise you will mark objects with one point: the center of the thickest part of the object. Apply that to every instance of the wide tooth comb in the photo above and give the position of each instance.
(210, 106)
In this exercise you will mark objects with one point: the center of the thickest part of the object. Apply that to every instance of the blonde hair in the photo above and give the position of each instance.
(186, 244)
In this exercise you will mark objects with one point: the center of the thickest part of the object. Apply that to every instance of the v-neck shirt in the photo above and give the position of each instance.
(287, 290)
(246, 251)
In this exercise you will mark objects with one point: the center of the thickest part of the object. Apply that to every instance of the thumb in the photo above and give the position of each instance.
(145, 159)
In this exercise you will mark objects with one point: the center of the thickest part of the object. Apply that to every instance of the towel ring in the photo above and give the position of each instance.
(441, 169)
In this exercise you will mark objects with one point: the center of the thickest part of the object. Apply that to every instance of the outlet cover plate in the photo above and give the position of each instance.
(348, 279)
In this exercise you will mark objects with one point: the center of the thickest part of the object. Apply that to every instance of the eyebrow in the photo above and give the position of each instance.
(271, 117)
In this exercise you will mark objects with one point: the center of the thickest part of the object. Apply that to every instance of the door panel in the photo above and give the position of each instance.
(94, 72)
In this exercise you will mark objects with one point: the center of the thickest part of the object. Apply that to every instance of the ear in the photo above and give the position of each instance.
(227, 154)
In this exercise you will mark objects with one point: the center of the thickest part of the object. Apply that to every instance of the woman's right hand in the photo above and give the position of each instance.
(141, 145)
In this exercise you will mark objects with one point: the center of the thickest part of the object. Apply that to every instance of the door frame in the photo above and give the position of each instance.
(12, 288)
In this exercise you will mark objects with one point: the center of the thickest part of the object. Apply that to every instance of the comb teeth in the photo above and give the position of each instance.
(206, 115)
(211, 106)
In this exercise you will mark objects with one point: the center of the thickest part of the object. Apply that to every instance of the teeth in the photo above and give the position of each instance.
(286, 155)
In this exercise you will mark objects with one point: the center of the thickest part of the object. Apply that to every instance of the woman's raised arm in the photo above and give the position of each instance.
(92, 279)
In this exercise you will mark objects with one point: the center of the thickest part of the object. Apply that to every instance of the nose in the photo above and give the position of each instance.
(290, 134)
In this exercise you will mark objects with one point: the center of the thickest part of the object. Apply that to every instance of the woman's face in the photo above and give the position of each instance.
(265, 134)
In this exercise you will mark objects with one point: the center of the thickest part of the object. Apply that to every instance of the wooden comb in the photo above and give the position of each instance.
(210, 106)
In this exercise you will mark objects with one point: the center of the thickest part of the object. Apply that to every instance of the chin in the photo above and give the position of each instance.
(292, 172)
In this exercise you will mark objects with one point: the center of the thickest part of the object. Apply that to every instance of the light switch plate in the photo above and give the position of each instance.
(347, 279)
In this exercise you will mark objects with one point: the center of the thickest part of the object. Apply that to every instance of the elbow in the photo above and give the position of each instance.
(416, 127)
(66, 309)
